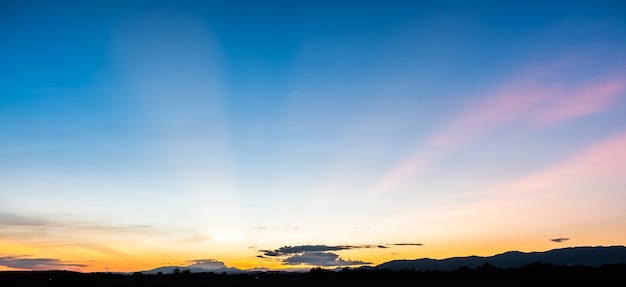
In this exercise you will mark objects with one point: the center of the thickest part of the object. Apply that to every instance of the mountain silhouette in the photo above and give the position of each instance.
(585, 256)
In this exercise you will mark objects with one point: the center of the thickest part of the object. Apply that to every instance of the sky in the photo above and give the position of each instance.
(295, 134)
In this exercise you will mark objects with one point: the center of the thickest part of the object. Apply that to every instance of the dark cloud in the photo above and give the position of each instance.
(406, 244)
(23, 262)
(320, 255)
(559, 240)
(288, 250)
(311, 248)
(367, 246)
(271, 253)
(320, 259)
(315, 255)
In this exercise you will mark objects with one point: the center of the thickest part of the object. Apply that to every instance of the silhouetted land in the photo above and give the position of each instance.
(485, 275)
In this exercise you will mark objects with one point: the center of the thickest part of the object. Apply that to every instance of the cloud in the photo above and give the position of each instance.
(78, 234)
(287, 250)
(537, 99)
(579, 102)
(271, 253)
(311, 248)
(320, 259)
(600, 165)
(559, 240)
(279, 227)
(78, 230)
(209, 264)
(316, 255)
(23, 262)
(25, 224)
(9, 219)
(320, 255)
(542, 103)
(591, 180)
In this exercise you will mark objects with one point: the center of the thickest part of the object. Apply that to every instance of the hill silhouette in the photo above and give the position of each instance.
(583, 256)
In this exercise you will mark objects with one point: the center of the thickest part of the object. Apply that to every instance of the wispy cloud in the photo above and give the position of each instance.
(593, 177)
(533, 101)
(79, 236)
(53, 227)
(66, 222)
(8, 219)
(277, 227)
(602, 163)
(27, 263)
(578, 101)
(559, 240)
(406, 244)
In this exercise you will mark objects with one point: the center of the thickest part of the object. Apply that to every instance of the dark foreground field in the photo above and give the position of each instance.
(615, 275)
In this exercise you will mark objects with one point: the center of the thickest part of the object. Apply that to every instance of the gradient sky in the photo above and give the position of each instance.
(136, 134)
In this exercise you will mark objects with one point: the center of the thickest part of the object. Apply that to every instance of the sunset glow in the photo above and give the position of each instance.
(295, 134)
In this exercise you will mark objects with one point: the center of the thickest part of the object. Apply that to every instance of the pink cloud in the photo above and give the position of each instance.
(519, 105)
(580, 101)
(490, 113)
(582, 196)
(591, 181)
(400, 172)
(532, 101)
(604, 162)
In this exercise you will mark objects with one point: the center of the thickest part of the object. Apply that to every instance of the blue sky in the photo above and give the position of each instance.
(221, 126)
